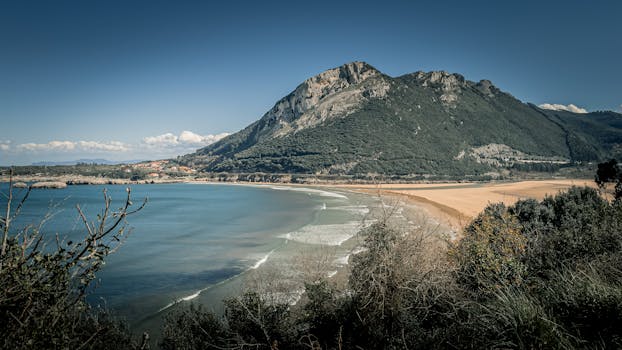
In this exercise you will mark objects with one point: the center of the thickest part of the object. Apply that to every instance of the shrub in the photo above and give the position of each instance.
(195, 328)
(248, 322)
(571, 228)
(328, 317)
(588, 304)
(254, 321)
(42, 299)
(402, 288)
(513, 319)
(489, 256)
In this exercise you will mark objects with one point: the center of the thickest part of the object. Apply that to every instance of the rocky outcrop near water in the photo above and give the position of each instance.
(49, 184)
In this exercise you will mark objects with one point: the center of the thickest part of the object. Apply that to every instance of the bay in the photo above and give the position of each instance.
(190, 237)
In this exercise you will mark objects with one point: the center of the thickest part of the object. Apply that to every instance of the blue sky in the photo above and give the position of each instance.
(146, 79)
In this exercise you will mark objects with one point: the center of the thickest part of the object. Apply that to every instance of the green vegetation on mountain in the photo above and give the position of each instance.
(591, 136)
(354, 120)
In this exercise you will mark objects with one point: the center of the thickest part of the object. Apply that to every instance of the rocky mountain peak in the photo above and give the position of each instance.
(486, 87)
(314, 95)
(439, 79)
(448, 84)
(350, 73)
(314, 89)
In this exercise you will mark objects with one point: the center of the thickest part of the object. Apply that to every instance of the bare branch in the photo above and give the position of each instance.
(21, 203)
(7, 219)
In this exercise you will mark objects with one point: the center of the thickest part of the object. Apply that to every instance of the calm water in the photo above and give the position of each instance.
(192, 236)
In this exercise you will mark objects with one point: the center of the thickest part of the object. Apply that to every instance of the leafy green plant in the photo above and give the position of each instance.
(489, 256)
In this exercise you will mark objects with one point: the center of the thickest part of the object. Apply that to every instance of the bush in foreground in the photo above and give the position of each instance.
(44, 283)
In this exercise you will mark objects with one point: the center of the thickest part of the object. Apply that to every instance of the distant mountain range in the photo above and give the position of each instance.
(354, 119)
(86, 161)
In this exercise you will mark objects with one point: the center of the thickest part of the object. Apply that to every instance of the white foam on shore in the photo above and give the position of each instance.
(321, 193)
(357, 209)
(195, 295)
(342, 261)
(262, 260)
(330, 234)
(177, 301)
(359, 250)
(190, 297)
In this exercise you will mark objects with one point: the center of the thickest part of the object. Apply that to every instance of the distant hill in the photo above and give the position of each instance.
(355, 120)
(86, 161)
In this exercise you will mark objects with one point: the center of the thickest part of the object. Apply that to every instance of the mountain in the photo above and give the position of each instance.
(353, 119)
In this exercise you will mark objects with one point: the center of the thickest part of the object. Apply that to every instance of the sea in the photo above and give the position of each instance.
(196, 242)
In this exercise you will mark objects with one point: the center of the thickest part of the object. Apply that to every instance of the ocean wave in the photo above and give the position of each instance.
(357, 209)
(342, 261)
(321, 193)
(330, 234)
(197, 293)
(177, 301)
(262, 260)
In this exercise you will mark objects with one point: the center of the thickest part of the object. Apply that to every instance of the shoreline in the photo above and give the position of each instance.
(454, 203)
(261, 178)
(457, 204)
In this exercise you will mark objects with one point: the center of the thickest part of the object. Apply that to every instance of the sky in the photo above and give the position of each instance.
(125, 80)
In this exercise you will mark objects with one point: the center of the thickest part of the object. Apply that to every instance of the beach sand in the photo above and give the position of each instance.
(457, 203)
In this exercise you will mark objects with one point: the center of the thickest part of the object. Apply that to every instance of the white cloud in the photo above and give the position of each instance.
(557, 107)
(5, 145)
(70, 146)
(209, 139)
(167, 139)
(190, 137)
(112, 146)
(186, 139)
(154, 147)
(50, 146)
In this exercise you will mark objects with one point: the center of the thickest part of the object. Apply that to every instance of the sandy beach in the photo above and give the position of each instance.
(457, 203)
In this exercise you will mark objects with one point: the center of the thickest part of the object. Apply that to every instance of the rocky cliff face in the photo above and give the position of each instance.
(326, 95)
(313, 90)
(449, 85)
